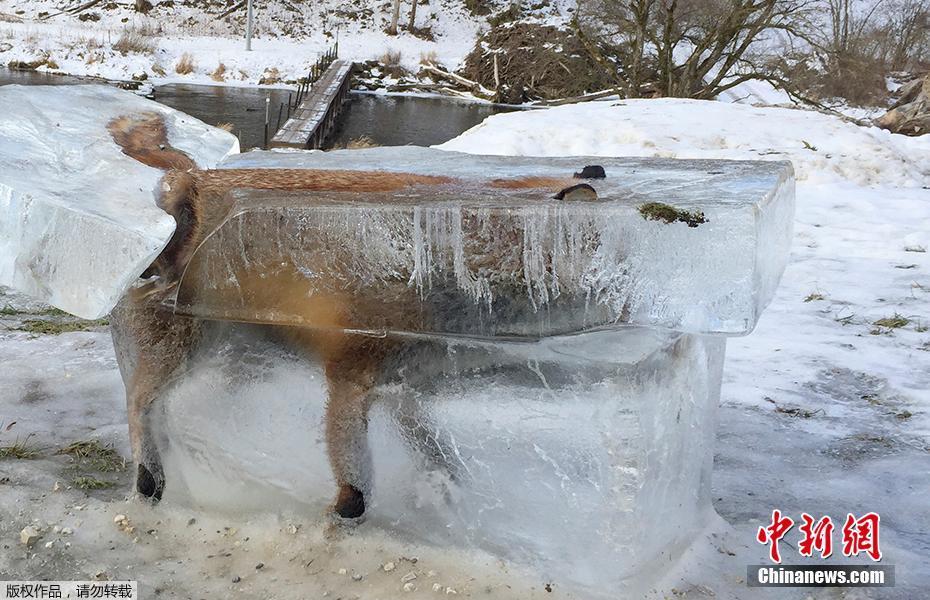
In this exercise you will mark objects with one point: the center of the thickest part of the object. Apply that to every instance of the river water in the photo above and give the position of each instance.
(384, 119)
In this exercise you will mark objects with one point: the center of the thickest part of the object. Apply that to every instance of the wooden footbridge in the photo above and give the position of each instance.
(312, 115)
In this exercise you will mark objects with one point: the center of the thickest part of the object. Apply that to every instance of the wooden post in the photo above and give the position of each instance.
(248, 26)
(267, 110)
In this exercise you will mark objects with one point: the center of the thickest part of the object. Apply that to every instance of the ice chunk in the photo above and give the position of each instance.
(586, 457)
(78, 220)
(469, 259)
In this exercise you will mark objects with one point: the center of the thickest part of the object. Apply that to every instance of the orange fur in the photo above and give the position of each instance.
(198, 200)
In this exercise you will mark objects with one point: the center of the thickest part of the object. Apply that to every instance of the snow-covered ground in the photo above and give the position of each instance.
(288, 38)
(823, 409)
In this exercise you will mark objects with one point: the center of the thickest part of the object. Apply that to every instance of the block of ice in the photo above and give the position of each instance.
(469, 259)
(585, 457)
(78, 220)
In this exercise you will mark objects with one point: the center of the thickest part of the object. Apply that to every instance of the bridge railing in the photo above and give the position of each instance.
(304, 87)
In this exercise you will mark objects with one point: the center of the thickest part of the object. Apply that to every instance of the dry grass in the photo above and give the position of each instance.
(185, 65)
(93, 454)
(225, 126)
(219, 74)
(390, 58)
(159, 70)
(429, 58)
(361, 142)
(91, 483)
(895, 321)
(134, 41)
(20, 449)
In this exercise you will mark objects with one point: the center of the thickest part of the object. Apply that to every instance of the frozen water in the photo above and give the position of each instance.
(587, 457)
(78, 220)
(471, 260)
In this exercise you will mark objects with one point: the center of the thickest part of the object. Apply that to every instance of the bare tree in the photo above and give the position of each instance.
(411, 25)
(395, 16)
(688, 48)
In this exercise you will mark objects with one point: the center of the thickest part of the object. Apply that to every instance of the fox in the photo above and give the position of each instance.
(154, 344)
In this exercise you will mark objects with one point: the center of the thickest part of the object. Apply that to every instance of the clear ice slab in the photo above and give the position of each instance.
(584, 458)
(78, 219)
(469, 259)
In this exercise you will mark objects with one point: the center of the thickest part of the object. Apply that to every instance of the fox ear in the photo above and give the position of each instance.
(180, 200)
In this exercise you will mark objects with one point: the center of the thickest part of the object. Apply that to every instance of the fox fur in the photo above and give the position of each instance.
(162, 342)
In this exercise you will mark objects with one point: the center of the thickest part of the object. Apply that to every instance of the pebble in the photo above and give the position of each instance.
(388, 567)
(119, 518)
(260, 565)
(437, 587)
(56, 487)
(356, 576)
(49, 544)
(29, 535)
(56, 529)
(67, 531)
(451, 591)
(236, 579)
(408, 577)
(343, 571)
(409, 587)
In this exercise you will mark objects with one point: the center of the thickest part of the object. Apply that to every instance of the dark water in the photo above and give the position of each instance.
(386, 120)
(402, 120)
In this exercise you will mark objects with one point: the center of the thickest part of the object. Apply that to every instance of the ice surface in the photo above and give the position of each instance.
(586, 457)
(473, 260)
(78, 220)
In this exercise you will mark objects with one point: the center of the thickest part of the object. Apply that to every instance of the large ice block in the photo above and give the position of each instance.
(78, 219)
(471, 259)
(586, 457)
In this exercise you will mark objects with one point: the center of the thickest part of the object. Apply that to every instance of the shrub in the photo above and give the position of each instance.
(133, 41)
(185, 65)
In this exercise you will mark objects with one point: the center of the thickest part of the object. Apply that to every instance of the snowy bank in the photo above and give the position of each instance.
(288, 40)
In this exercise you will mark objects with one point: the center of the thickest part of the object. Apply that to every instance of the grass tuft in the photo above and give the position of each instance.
(894, 322)
(20, 449)
(45, 327)
(361, 142)
(95, 455)
(91, 483)
(219, 74)
(390, 58)
(813, 296)
(657, 211)
(133, 41)
(185, 65)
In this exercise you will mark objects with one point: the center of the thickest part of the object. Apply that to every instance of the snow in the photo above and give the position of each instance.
(859, 255)
(63, 181)
(856, 441)
(285, 41)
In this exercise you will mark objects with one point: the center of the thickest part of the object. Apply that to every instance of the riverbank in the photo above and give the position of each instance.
(177, 43)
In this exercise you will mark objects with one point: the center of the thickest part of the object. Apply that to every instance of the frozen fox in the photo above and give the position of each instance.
(162, 342)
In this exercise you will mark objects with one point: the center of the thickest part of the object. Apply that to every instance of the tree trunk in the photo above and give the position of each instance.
(143, 6)
(413, 16)
(392, 30)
